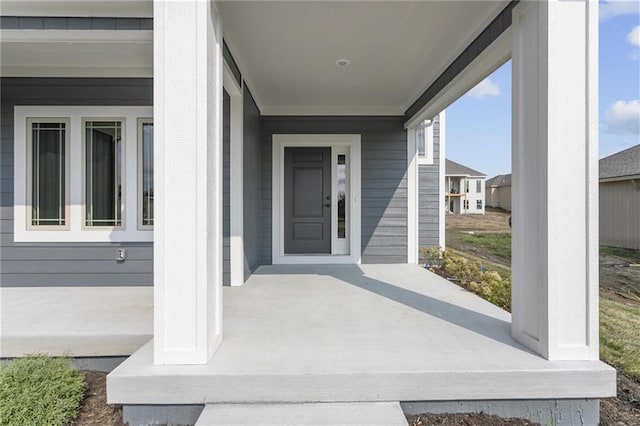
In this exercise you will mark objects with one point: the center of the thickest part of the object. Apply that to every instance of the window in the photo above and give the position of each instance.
(145, 173)
(466, 204)
(76, 174)
(478, 186)
(103, 173)
(466, 186)
(478, 204)
(424, 142)
(47, 171)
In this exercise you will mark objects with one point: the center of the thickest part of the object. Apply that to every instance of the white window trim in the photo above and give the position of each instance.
(75, 114)
(29, 173)
(342, 142)
(141, 122)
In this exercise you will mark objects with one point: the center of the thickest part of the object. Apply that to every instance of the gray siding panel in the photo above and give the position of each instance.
(252, 183)
(65, 264)
(429, 195)
(226, 188)
(384, 180)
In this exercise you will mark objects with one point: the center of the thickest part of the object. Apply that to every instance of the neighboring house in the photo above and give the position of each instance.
(620, 199)
(464, 189)
(498, 190)
(154, 151)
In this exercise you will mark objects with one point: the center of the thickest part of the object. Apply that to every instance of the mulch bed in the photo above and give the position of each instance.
(464, 419)
(95, 410)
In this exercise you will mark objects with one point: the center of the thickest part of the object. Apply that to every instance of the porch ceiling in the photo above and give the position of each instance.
(287, 51)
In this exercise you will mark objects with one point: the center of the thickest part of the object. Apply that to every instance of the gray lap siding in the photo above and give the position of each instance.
(429, 196)
(65, 264)
(384, 179)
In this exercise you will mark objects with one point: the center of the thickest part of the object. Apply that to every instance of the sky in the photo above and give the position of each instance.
(479, 123)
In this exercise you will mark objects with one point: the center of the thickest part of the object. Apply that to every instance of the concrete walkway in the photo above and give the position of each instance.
(344, 333)
(77, 321)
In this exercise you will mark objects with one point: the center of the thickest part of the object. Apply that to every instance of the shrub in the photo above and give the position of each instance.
(487, 284)
(40, 390)
(431, 257)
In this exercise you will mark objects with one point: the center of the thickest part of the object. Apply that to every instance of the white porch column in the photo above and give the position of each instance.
(188, 178)
(555, 178)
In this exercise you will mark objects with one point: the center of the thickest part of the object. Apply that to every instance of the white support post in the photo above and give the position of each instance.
(555, 178)
(442, 138)
(188, 178)
(413, 241)
(236, 180)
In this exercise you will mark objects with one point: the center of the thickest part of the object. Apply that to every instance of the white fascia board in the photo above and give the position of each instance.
(487, 62)
(76, 36)
(81, 8)
(96, 72)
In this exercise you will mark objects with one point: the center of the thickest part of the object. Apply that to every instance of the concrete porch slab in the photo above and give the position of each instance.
(76, 321)
(345, 333)
(336, 414)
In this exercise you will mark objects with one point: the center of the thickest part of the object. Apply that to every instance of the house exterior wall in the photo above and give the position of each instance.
(620, 214)
(499, 197)
(252, 182)
(430, 195)
(65, 264)
(473, 196)
(384, 179)
(226, 188)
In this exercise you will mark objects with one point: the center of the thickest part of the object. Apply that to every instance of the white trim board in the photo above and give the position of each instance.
(352, 142)
(129, 231)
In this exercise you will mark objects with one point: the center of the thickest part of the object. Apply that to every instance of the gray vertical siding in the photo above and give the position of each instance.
(384, 179)
(226, 188)
(429, 196)
(65, 264)
(252, 182)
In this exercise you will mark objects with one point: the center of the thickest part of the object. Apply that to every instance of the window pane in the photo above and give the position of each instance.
(342, 193)
(147, 173)
(48, 174)
(478, 186)
(103, 164)
(420, 141)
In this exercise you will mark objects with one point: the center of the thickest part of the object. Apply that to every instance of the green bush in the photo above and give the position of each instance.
(487, 284)
(40, 390)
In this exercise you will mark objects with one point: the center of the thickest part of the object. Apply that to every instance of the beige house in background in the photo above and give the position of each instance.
(498, 192)
(620, 199)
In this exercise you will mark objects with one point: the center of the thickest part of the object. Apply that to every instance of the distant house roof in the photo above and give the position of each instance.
(500, 180)
(455, 169)
(622, 164)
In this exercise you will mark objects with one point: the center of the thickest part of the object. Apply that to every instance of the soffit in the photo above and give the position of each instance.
(287, 51)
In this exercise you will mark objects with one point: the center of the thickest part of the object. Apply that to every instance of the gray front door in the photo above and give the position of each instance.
(307, 200)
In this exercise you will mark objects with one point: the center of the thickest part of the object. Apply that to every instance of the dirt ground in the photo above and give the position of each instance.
(618, 281)
(94, 410)
(464, 419)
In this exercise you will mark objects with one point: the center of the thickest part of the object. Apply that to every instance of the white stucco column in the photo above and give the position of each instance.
(555, 178)
(188, 179)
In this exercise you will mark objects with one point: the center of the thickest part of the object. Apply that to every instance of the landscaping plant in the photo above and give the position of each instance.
(40, 390)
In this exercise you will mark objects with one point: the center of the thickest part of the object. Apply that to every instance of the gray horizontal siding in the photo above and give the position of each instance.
(384, 180)
(65, 264)
(429, 195)
(226, 189)
(73, 23)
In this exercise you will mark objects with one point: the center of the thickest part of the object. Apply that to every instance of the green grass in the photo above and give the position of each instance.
(497, 244)
(633, 256)
(620, 336)
(504, 271)
(40, 390)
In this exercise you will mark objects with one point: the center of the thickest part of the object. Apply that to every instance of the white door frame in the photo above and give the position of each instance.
(339, 144)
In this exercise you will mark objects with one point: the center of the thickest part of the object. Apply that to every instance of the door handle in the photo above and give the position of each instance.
(327, 205)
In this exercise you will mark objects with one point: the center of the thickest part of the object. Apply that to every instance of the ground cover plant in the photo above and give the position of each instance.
(40, 390)
(620, 336)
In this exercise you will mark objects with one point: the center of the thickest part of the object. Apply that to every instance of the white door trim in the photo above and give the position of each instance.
(336, 142)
